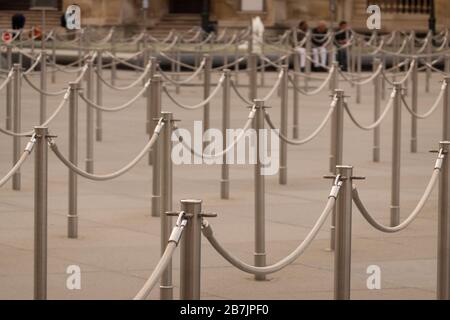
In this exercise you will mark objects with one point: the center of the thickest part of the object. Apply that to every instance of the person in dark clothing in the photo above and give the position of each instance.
(318, 39)
(18, 21)
(341, 39)
(301, 35)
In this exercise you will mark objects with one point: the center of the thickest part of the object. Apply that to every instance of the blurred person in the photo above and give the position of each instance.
(18, 21)
(341, 39)
(318, 39)
(301, 35)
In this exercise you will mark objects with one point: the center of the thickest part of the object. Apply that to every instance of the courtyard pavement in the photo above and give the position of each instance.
(119, 244)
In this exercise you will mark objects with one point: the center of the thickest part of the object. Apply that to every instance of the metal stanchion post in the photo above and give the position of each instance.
(263, 68)
(414, 95)
(443, 252)
(260, 232)
(296, 62)
(90, 118)
(396, 152)
(113, 65)
(428, 70)
(358, 70)
(377, 111)
(337, 131)
(446, 112)
(253, 74)
(166, 287)
(17, 123)
(284, 125)
(337, 143)
(383, 81)
(342, 255)
(236, 65)
(99, 114)
(9, 89)
(207, 90)
(21, 48)
(308, 46)
(40, 213)
(178, 70)
(153, 102)
(225, 172)
(54, 60)
(43, 97)
(190, 251)
(155, 153)
(72, 216)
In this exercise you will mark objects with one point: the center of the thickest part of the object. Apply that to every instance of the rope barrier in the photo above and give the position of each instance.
(316, 91)
(312, 135)
(209, 234)
(199, 105)
(26, 152)
(241, 134)
(116, 174)
(47, 93)
(189, 79)
(125, 88)
(118, 108)
(275, 86)
(7, 80)
(411, 217)
(378, 122)
(433, 107)
(166, 258)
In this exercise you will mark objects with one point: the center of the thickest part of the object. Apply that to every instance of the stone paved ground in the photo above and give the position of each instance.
(119, 242)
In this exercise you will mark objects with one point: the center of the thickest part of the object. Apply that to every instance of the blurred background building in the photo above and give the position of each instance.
(164, 15)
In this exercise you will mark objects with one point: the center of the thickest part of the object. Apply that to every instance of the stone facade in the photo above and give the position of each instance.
(277, 13)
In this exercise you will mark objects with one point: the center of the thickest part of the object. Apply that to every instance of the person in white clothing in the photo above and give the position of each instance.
(318, 39)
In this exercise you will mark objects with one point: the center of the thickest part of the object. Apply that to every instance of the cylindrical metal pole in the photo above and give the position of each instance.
(297, 69)
(260, 215)
(153, 103)
(9, 89)
(284, 124)
(99, 114)
(236, 65)
(446, 112)
(206, 91)
(54, 60)
(414, 95)
(157, 148)
(225, 172)
(40, 213)
(443, 253)
(383, 81)
(337, 131)
(343, 251)
(253, 74)
(428, 59)
(358, 70)
(177, 70)
(72, 216)
(377, 111)
(396, 153)
(166, 287)
(17, 123)
(308, 48)
(43, 97)
(337, 140)
(113, 65)
(90, 118)
(190, 251)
